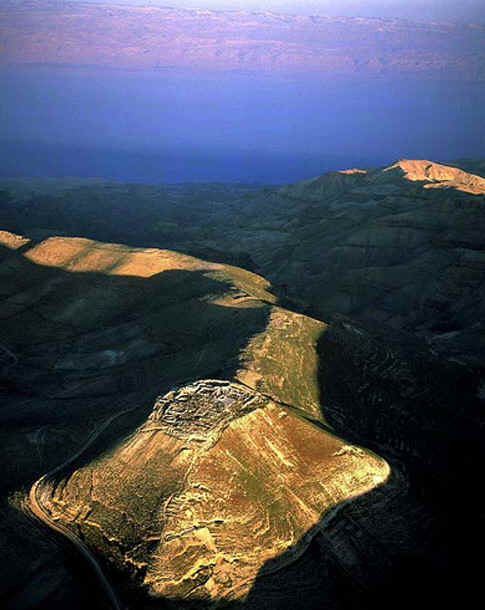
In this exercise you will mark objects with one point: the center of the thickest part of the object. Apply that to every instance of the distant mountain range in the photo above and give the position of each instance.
(135, 37)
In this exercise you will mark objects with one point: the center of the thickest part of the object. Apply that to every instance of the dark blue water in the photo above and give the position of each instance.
(170, 126)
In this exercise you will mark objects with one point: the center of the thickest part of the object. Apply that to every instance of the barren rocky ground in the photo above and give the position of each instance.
(312, 441)
(400, 245)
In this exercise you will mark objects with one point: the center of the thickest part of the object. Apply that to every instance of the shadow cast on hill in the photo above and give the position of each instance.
(384, 390)
(79, 347)
(132, 219)
(81, 338)
(403, 541)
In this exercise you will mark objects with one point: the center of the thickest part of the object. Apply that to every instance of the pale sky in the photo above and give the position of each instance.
(439, 10)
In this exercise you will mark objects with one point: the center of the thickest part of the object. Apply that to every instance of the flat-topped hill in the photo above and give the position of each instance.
(216, 483)
(100, 333)
(204, 438)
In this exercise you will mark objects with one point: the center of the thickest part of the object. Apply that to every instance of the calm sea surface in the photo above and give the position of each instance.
(167, 126)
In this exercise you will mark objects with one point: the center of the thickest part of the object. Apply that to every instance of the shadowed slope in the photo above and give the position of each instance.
(401, 245)
(327, 240)
(397, 397)
(96, 329)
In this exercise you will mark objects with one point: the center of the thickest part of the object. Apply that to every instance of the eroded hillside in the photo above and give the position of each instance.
(400, 245)
(215, 484)
(197, 432)
(221, 477)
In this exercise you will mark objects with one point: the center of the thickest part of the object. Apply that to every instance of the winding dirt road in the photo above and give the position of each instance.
(39, 488)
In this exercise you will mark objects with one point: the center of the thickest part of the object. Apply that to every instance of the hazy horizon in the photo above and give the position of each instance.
(420, 10)
(183, 126)
(201, 116)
